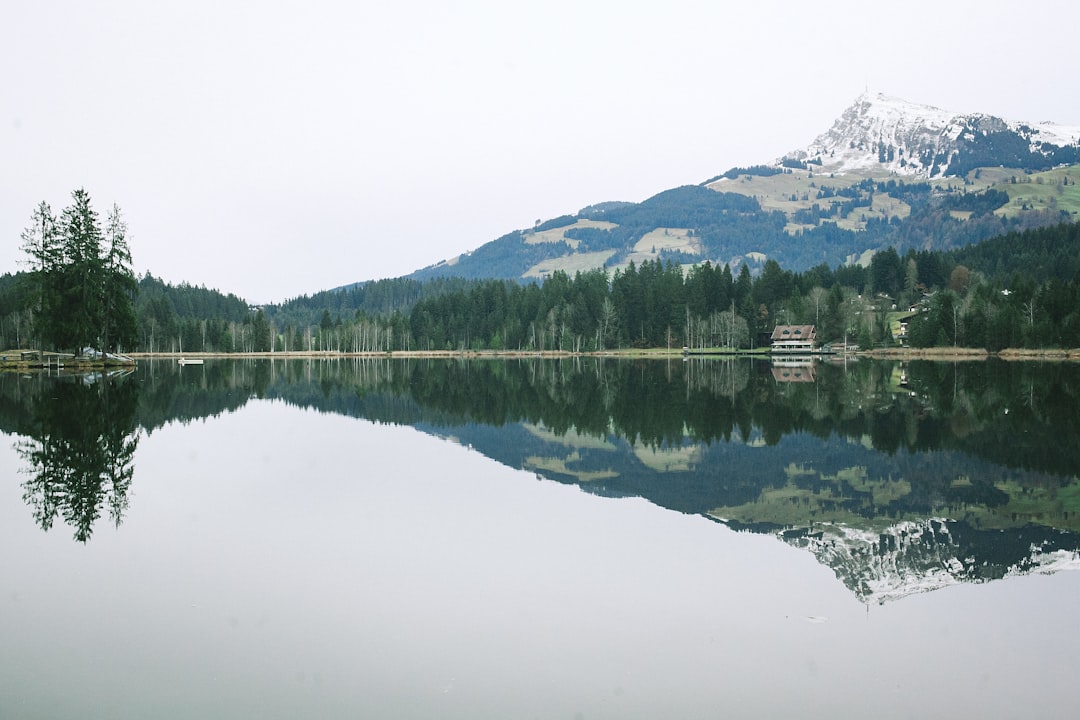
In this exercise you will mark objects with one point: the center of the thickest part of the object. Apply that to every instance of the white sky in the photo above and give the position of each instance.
(275, 149)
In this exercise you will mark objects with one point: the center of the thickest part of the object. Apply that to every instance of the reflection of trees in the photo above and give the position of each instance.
(1018, 414)
(79, 451)
(1021, 422)
(896, 477)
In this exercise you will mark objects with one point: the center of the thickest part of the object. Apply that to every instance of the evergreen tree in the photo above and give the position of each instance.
(886, 272)
(263, 332)
(40, 242)
(84, 289)
(118, 307)
(79, 317)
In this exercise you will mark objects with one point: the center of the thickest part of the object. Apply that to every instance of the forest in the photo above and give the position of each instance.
(1018, 290)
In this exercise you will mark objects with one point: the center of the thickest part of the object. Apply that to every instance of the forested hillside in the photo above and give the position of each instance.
(1017, 290)
(799, 221)
(976, 297)
(172, 318)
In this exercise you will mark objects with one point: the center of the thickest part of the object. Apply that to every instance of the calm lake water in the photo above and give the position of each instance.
(541, 539)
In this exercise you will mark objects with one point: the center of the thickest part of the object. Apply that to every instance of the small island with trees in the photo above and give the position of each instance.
(79, 288)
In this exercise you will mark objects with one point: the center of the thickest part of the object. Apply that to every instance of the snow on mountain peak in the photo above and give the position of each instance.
(883, 134)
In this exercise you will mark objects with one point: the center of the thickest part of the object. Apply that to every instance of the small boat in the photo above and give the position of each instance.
(190, 361)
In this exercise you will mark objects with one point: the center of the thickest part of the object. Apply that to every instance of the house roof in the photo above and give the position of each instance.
(794, 332)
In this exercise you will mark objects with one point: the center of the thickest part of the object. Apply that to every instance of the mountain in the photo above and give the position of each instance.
(884, 134)
(887, 173)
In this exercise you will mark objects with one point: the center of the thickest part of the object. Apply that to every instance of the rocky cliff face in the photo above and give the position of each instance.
(881, 135)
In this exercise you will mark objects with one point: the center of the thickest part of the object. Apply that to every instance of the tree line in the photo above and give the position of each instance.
(1017, 290)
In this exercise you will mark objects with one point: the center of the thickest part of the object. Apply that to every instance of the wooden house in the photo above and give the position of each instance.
(794, 339)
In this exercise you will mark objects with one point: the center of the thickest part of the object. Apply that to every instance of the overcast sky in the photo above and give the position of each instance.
(276, 149)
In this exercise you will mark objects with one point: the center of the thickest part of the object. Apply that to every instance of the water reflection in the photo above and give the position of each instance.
(900, 477)
(78, 445)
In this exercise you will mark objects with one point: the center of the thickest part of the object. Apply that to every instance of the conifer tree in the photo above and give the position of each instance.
(40, 242)
(79, 317)
(83, 279)
(119, 326)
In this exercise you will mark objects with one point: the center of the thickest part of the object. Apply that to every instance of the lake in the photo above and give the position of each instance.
(578, 538)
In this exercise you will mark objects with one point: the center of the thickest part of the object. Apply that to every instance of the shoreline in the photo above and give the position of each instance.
(941, 354)
(948, 354)
(955, 354)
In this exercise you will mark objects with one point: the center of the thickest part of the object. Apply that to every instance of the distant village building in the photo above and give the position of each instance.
(794, 339)
(901, 334)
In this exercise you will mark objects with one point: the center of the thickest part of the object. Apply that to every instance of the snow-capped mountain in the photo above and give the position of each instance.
(879, 135)
(732, 218)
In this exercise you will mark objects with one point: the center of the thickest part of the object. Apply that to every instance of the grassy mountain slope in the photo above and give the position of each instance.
(796, 217)
(888, 172)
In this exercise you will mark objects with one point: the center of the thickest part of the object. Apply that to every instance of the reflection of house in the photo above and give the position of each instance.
(793, 370)
(794, 338)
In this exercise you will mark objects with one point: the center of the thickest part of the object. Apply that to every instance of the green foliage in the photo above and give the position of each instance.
(1023, 292)
(82, 285)
(183, 317)
(561, 221)
(1019, 290)
(658, 305)
(757, 170)
(507, 257)
(1039, 254)
(261, 332)
(887, 272)
(689, 206)
(827, 224)
(981, 203)
(1007, 149)
(375, 298)
(80, 441)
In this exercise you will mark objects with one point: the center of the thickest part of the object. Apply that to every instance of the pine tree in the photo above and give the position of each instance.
(79, 317)
(263, 333)
(83, 279)
(40, 241)
(118, 294)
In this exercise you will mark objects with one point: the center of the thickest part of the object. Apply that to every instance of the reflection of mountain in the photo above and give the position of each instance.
(912, 557)
(853, 466)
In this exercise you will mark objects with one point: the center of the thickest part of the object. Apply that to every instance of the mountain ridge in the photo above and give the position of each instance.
(880, 132)
(887, 173)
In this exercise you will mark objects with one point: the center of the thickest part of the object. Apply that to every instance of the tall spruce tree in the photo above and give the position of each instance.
(40, 242)
(119, 328)
(81, 315)
(83, 278)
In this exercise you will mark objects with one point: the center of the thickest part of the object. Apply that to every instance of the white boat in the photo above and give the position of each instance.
(190, 361)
